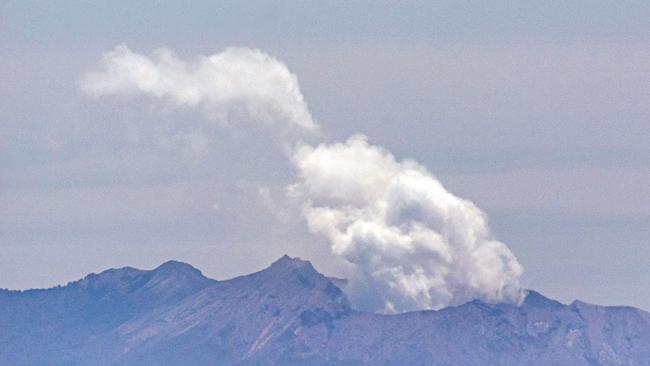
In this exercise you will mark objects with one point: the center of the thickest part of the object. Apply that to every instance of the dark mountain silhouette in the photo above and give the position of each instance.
(289, 314)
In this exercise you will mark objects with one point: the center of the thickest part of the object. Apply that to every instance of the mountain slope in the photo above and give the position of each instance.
(289, 314)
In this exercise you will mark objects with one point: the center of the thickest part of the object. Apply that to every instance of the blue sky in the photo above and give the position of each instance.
(538, 113)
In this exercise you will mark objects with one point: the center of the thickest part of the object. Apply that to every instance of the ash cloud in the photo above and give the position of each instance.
(412, 244)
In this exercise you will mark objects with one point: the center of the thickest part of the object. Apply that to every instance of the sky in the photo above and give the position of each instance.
(537, 113)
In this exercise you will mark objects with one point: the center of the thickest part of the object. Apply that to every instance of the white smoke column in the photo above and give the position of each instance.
(413, 244)
(227, 82)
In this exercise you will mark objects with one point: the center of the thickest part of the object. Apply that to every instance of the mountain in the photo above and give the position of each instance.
(289, 314)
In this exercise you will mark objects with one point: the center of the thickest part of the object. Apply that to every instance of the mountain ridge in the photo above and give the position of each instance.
(289, 313)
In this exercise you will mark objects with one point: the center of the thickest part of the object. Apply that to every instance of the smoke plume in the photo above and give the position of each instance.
(413, 245)
(235, 80)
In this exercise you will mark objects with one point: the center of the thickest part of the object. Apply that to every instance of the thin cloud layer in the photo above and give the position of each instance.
(413, 245)
(238, 82)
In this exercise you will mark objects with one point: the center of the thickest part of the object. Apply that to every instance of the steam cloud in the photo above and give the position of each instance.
(413, 244)
(228, 82)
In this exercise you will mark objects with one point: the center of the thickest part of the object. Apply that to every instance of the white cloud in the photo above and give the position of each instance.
(413, 245)
(238, 81)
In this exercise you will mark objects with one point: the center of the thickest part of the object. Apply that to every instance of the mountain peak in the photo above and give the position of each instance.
(176, 267)
(178, 274)
(294, 277)
(288, 262)
(289, 267)
(535, 299)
